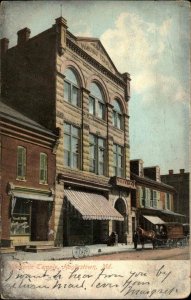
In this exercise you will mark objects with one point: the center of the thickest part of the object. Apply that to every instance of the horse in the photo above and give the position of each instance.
(146, 235)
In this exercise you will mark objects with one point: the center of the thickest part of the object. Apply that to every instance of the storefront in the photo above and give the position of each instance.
(86, 217)
(30, 216)
(121, 228)
(148, 218)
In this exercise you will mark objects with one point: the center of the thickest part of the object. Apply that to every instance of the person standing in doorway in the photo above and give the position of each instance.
(135, 239)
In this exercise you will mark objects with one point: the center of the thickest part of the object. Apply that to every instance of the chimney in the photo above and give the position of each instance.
(170, 172)
(4, 45)
(23, 35)
(181, 171)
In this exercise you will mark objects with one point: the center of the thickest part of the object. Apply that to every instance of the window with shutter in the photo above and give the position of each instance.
(43, 168)
(21, 163)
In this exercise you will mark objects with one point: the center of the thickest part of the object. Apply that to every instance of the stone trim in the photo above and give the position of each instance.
(71, 45)
(126, 115)
(109, 105)
(83, 89)
(60, 74)
(86, 126)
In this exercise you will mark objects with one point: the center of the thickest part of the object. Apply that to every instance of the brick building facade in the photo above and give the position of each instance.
(71, 84)
(181, 182)
(153, 200)
(27, 179)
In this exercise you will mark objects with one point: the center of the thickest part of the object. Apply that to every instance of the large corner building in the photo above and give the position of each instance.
(70, 84)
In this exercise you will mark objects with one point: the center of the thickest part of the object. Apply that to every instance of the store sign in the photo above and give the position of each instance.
(19, 218)
(118, 181)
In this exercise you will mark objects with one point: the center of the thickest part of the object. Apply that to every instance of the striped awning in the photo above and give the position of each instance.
(92, 206)
(154, 219)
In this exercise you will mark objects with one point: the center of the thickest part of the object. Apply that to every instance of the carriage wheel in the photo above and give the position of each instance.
(169, 243)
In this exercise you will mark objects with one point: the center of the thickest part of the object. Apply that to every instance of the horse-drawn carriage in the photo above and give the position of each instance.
(168, 234)
(171, 234)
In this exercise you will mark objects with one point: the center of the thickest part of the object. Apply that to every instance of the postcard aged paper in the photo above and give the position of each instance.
(96, 280)
(146, 34)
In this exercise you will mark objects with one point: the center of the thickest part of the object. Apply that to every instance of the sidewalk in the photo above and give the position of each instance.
(73, 252)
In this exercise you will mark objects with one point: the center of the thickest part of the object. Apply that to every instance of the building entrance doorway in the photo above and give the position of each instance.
(39, 221)
(119, 226)
(97, 232)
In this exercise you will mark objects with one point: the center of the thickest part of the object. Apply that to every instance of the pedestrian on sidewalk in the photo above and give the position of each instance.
(135, 239)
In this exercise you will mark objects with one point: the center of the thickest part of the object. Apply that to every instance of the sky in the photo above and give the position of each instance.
(149, 40)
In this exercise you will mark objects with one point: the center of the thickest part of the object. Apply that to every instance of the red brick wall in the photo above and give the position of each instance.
(9, 163)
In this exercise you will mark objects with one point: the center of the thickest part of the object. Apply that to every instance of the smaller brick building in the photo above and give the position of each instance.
(153, 200)
(27, 177)
(180, 181)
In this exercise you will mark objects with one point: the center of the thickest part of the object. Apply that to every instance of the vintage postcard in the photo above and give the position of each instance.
(94, 149)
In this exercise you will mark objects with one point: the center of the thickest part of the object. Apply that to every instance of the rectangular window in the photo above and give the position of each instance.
(154, 199)
(21, 163)
(43, 168)
(97, 155)
(167, 206)
(118, 161)
(92, 153)
(74, 96)
(71, 146)
(92, 105)
(101, 110)
(20, 220)
(151, 199)
(142, 196)
(67, 91)
(119, 121)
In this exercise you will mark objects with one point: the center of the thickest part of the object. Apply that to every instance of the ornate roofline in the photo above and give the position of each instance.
(72, 45)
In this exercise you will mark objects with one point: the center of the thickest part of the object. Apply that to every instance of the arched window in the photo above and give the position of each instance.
(117, 115)
(71, 88)
(96, 101)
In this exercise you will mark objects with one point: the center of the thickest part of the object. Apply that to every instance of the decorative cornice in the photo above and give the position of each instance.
(11, 188)
(81, 181)
(70, 44)
(143, 181)
(26, 135)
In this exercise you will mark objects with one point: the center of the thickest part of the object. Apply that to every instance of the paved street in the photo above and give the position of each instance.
(147, 254)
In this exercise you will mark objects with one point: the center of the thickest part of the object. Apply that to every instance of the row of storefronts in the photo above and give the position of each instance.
(66, 175)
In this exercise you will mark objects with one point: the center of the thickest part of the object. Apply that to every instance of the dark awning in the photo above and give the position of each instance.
(170, 212)
(92, 206)
(32, 196)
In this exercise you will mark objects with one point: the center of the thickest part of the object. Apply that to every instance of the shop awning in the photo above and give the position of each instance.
(154, 219)
(32, 196)
(92, 206)
(170, 212)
